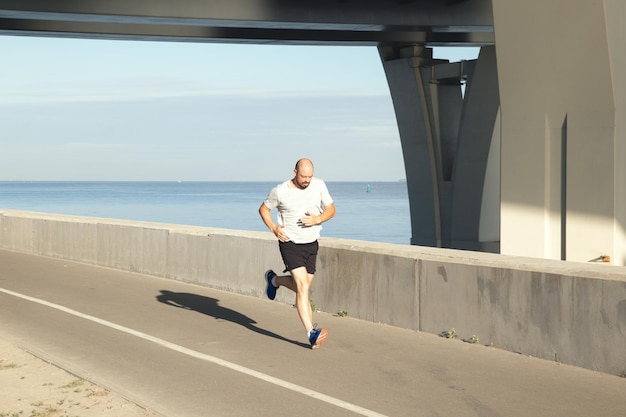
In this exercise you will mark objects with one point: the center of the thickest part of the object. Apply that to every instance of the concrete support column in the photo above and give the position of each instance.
(560, 66)
(446, 139)
(475, 189)
(403, 68)
(615, 11)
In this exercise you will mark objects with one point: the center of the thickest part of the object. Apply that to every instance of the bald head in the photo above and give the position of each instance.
(303, 162)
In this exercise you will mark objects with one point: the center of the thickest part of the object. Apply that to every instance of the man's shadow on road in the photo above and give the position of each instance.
(210, 307)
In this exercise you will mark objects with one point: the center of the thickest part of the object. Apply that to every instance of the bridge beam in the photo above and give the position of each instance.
(446, 140)
(367, 22)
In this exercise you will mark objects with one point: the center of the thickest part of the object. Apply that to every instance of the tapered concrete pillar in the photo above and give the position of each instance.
(475, 217)
(423, 170)
(561, 66)
(446, 140)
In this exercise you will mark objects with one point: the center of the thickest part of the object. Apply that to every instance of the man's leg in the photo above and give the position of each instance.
(299, 282)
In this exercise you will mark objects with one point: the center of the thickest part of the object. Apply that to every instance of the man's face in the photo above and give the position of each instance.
(302, 177)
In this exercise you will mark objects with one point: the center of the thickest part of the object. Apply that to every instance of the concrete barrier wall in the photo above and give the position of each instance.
(573, 313)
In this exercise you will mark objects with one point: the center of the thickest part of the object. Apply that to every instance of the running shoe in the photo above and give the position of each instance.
(317, 337)
(270, 290)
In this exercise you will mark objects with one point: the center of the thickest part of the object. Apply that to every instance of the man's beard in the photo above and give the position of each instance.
(301, 185)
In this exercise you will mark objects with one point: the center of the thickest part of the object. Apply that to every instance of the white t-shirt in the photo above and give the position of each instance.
(293, 203)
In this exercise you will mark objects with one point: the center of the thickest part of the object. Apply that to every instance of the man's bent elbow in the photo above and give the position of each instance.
(331, 211)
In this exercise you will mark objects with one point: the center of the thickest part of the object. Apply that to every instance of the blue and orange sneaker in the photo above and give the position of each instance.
(317, 337)
(270, 290)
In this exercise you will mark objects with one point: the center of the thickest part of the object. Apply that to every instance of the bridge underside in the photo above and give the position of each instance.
(528, 160)
(366, 22)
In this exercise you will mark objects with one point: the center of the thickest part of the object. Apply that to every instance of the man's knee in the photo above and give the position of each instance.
(301, 277)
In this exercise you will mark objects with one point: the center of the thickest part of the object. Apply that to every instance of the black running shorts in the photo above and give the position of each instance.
(296, 255)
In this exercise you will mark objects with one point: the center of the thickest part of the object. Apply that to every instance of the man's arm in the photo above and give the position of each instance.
(266, 216)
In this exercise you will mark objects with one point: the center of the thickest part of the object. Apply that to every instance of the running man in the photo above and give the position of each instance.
(303, 204)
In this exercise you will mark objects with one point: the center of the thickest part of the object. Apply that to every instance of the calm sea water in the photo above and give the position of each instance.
(380, 214)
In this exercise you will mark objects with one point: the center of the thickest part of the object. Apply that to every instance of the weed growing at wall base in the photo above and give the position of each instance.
(449, 334)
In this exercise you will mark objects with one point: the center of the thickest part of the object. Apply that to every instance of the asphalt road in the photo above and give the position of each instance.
(185, 350)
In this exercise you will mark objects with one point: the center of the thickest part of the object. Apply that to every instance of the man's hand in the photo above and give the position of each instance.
(310, 219)
(280, 233)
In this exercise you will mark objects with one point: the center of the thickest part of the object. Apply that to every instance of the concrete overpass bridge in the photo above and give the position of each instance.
(529, 161)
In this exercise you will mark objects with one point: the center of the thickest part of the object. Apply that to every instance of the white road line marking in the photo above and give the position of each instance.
(203, 356)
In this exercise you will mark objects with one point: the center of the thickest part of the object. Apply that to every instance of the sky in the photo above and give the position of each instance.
(104, 110)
